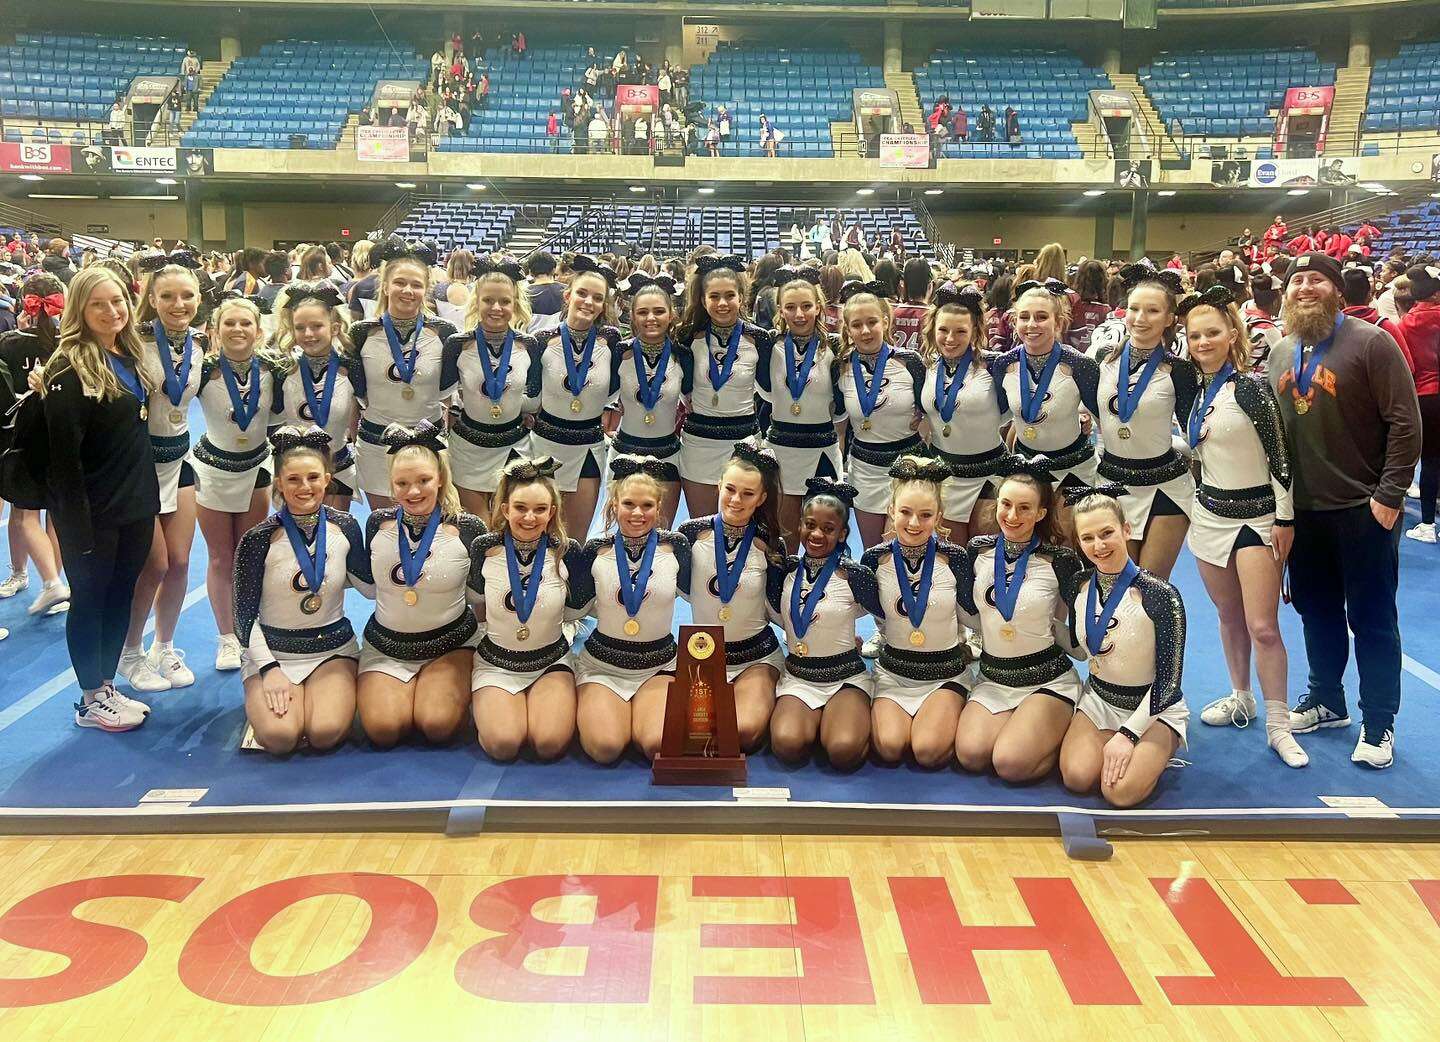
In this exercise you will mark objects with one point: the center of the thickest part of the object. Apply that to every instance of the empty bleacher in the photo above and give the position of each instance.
(478, 227)
(297, 87)
(1415, 229)
(1229, 93)
(1049, 90)
(77, 78)
(1404, 90)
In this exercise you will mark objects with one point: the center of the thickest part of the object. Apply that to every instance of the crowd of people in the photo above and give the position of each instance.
(949, 121)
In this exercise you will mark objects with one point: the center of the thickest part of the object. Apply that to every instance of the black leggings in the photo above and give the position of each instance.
(1429, 456)
(102, 585)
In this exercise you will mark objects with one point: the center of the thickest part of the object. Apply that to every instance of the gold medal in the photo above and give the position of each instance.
(176, 416)
(865, 424)
(144, 412)
(1124, 433)
(523, 633)
(1008, 631)
(241, 439)
(945, 431)
(631, 627)
(407, 392)
(917, 638)
(575, 405)
(310, 605)
(1302, 406)
(495, 412)
(800, 648)
(412, 598)
(725, 613)
(649, 419)
(1030, 433)
(715, 398)
(794, 408)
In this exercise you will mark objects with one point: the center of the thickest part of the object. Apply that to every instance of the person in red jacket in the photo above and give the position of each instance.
(1421, 326)
(1275, 234)
(1319, 241)
(1302, 243)
(1359, 292)
(1338, 245)
(1367, 230)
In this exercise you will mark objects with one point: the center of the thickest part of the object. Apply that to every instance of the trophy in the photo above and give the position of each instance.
(701, 742)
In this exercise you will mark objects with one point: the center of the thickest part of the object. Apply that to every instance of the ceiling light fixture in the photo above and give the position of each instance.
(934, 191)
(31, 177)
(165, 181)
(476, 186)
(1298, 191)
(56, 195)
(706, 191)
(149, 198)
(1166, 193)
(1094, 193)
(865, 191)
(404, 184)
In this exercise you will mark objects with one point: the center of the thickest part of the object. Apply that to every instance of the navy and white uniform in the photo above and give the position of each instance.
(805, 443)
(749, 640)
(1141, 454)
(658, 438)
(169, 423)
(382, 392)
(504, 658)
(482, 442)
(1244, 486)
(619, 661)
(1135, 679)
(230, 462)
(400, 639)
(1033, 660)
(270, 587)
(574, 438)
(344, 405)
(905, 672)
(717, 419)
(1056, 431)
(831, 660)
(970, 441)
(891, 433)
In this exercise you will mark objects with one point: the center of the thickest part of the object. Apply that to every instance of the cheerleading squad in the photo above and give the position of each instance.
(999, 544)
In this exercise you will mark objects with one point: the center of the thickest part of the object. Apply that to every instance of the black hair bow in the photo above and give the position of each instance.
(1037, 467)
(874, 286)
(532, 469)
(583, 262)
(397, 248)
(426, 434)
(505, 266)
(261, 304)
(920, 468)
(758, 456)
(1133, 275)
(715, 262)
(624, 466)
(153, 262)
(292, 437)
(324, 292)
(1054, 287)
(1217, 296)
(805, 273)
(948, 293)
(840, 490)
(1074, 494)
(640, 280)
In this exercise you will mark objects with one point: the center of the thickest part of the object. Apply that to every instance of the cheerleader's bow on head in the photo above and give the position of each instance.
(758, 456)
(532, 469)
(716, 262)
(841, 490)
(261, 304)
(505, 266)
(1217, 296)
(52, 304)
(805, 273)
(1054, 287)
(323, 292)
(948, 293)
(623, 466)
(426, 434)
(639, 280)
(583, 263)
(292, 437)
(1132, 275)
(397, 248)
(183, 258)
(1037, 467)
(1074, 494)
(874, 287)
(919, 468)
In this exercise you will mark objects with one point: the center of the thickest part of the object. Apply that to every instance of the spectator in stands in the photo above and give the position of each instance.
(1091, 285)
(599, 132)
(1175, 263)
(1368, 230)
(482, 92)
(665, 83)
(640, 136)
(1338, 245)
(940, 114)
(1358, 293)
(116, 125)
(986, 124)
(722, 121)
(1275, 234)
(1245, 240)
(712, 138)
(314, 265)
(1012, 125)
(340, 271)
(552, 131)
(592, 77)
(190, 78)
(364, 288)
(56, 262)
(277, 267)
(1302, 243)
(518, 46)
(960, 123)
(1385, 279)
(897, 244)
(437, 68)
(769, 136)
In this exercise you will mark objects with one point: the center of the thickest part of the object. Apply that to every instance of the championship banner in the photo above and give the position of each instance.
(37, 158)
(382, 144)
(904, 152)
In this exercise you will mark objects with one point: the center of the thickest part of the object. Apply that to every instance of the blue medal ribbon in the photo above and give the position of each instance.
(1202, 404)
(320, 403)
(1305, 371)
(804, 606)
(312, 565)
(1007, 586)
(632, 588)
(175, 382)
(128, 377)
(869, 393)
(727, 579)
(405, 361)
(1127, 398)
(577, 371)
(946, 393)
(720, 372)
(647, 388)
(1031, 401)
(1099, 619)
(525, 593)
(797, 374)
(494, 374)
(914, 599)
(246, 405)
(412, 564)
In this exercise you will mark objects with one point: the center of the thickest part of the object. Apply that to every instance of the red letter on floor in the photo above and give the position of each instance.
(1428, 891)
(618, 944)
(216, 964)
(942, 949)
(826, 932)
(1243, 975)
(99, 954)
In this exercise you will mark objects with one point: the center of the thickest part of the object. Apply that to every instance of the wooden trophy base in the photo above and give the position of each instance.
(700, 716)
(700, 770)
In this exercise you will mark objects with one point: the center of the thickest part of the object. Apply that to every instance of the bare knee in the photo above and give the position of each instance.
(848, 752)
(1264, 634)
(932, 752)
(1079, 774)
(752, 731)
(324, 737)
(602, 748)
(890, 747)
(385, 730)
(973, 753)
(276, 737)
(1127, 792)
(437, 723)
(1016, 765)
(789, 741)
(551, 743)
(647, 740)
(502, 747)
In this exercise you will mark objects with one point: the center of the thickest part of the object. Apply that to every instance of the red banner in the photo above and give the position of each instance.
(1302, 102)
(637, 96)
(37, 158)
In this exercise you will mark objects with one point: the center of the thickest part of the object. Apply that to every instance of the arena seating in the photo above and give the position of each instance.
(1403, 90)
(1229, 93)
(1049, 90)
(44, 76)
(1415, 229)
(478, 227)
(297, 87)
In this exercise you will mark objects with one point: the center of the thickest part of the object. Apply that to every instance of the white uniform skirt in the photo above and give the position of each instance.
(960, 496)
(476, 468)
(816, 694)
(872, 484)
(297, 668)
(349, 475)
(571, 459)
(624, 682)
(227, 491)
(1107, 717)
(486, 674)
(776, 660)
(1212, 537)
(799, 465)
(372, 469)
(708, 442)
(909, 694)
(1001, 698)
(1139, 500)
(404, 670)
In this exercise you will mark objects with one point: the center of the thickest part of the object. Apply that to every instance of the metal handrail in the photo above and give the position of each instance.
(932, 231)
(1372, 206)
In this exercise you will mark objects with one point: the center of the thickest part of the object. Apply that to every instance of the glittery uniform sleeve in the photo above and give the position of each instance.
(998, 364)
(864, 588)
(680, 547)
(1257, 400)
(617, 358)
(249, 582)
(1073, 643)
(450, 361)
(775, 588)
(536, 374)
(475, 587)
(686, 360)
(690, 531)
(1086, 372)
(356, 371)
(472, 531)
(1186, 380)
(580, 563)
(357, 558)
(276, 375)
(964, 571)
(1166, 611)
(764, 346)
(916, 367)
(572, 561)
(837, 370)
(1068, 571)
(870, 560)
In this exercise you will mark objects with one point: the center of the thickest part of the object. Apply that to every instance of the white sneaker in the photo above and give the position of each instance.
(50, 598)
(18, 582)
(1370, 753)
(136, 670)
(227, 653)
(871, 647)
(1422, 533)
(108, 712)
(58, 609)
(1233, 709)
(1413, 492)
(1309, 715)
(170, 664)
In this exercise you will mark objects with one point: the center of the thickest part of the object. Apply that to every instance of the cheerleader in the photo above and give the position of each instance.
(732, 556)
(523, 683)
(570, 374)
(921, 607)
(963, 410)
(880, 387)
(802, 431)
(175, 356)
(1144, 390)
(651, 377)
(401, 354)
(1241, 527)
(731, 364)
(487, 429)
(1132, 715)
(291, 573)
(327, 380)
(629, 580)
(238, 391)
(416, 667)
(824, 689)
(1048, 384)
(1021, 708)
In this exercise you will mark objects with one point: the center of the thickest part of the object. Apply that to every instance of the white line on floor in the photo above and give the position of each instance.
(1419, 669)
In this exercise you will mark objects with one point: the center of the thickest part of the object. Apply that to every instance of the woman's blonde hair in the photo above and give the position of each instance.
(387, 272)
(284, 343)
(1059, 306)
(78, 349)
(810, 287)
(360, 255)
(886, 312)
(612, 495)
(1239, 354)
(979, 333)
(507, 487)
(852, 266)
(520, 316)
(145, 312)
(460, 265)
(449, 499)
(1050, 262)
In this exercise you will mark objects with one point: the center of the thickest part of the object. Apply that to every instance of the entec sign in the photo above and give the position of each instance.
(142, 160)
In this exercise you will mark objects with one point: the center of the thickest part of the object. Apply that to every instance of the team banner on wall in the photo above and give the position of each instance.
(125, 159)
(37, 158)
(904, 151)
(382, 144)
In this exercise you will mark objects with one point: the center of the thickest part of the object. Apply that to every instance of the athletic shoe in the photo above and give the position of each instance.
(1312, 715)
(170, 664)
(133, 703)
(1233, 709)
(58, 609)
(1379, 754)
(227, 653)
(136, 669)
(1422, 533)
(873, 644)
(1413, 492)
(51, 597)
(108, 713)
(18, 582)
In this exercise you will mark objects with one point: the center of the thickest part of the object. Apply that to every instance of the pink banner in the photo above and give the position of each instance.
(1305, 102)
(638, 96)
(382, 144)
(904, 151)
(35, 158)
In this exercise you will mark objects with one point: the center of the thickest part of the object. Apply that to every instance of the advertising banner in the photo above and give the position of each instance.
(125, 159)
(637, 96)
(382, 144)
(1310, 105)
(152, 90)
(25, 158)
(1283, 173)
(904, 151)
(394, 93)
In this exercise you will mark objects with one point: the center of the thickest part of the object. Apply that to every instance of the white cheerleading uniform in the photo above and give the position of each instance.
(504, 658)
(831, 660)
(717, 419)
(1141, 454)
(892, 423)
(231, 463)
(805, 443)
(270, 587)
(973, 445)
(344, 405)
(574, 438)
(481, 443)
(905, 672)
(401, 639)
(1135, 679)
(749, 640)
(381, 392)
(1244, 471)
(168, 422)
(1057, 432)
(1033, 661)
(619, 661)
(634, 436)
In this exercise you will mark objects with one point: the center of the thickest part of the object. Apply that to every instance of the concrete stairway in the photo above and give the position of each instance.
(1155, 126)
(1352, 89)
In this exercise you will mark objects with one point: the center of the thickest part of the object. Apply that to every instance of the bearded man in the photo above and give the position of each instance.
(1352, 424)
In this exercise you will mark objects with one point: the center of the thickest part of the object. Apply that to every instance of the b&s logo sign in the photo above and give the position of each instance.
(37, 158)
(143, 160)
